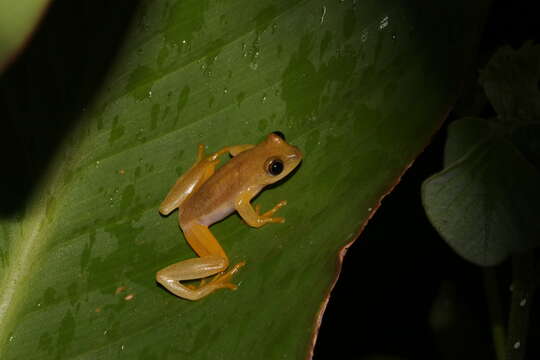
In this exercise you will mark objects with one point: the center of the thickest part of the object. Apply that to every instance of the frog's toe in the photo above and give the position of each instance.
(222, 280)
(279, 220)
(237, 267)
(229, 285)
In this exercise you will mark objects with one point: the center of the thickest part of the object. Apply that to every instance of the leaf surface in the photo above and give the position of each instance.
(360, 87)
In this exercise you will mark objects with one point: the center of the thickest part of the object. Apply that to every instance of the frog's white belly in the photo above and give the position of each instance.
(218, 214)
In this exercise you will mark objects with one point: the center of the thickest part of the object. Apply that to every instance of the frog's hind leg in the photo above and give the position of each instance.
(212, 260)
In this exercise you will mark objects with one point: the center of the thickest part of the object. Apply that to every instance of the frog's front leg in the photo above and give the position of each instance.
(212, 260)
(252, 216)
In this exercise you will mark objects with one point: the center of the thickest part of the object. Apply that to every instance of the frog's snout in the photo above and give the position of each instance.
(296, 154)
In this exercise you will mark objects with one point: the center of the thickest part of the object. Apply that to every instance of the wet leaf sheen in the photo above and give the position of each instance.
(359, 86)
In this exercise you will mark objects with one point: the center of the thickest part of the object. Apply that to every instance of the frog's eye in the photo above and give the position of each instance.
(275, 167)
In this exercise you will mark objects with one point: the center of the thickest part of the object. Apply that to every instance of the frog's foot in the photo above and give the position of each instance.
(267, 216)
(223, 278)
(173, 276)
(220, 280)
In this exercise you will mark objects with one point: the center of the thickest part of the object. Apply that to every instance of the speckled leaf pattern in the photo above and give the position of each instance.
(359, 86)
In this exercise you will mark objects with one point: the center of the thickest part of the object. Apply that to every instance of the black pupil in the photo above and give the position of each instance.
(275, 167)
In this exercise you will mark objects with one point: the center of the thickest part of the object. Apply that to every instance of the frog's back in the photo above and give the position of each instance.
(216, 198)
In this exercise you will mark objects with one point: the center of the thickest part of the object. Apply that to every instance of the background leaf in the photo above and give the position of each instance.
(359, 86)
(510, 81)
(485, 203)
(17, 21)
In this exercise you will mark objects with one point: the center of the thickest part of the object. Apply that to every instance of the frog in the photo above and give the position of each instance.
(205, 195)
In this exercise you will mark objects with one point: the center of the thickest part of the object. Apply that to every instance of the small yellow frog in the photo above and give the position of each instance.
(204, 198)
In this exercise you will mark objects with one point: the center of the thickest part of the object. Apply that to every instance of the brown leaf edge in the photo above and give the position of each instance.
(343, 251)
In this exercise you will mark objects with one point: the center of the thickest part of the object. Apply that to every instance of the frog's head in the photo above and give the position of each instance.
(282, 158)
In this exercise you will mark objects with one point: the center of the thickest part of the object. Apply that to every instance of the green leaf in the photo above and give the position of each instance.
(17, 21)
(485, 203)
(463, 135)
(360, 87)
(510, 81)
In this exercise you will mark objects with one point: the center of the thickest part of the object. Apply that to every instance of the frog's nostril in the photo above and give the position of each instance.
(295, 155)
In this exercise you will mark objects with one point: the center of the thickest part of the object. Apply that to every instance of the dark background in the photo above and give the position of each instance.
(403, 292)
